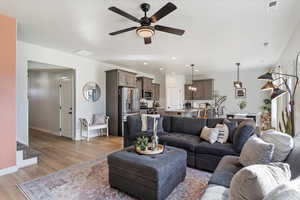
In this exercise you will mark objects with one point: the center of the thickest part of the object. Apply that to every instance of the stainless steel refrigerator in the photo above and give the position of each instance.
(129, 104)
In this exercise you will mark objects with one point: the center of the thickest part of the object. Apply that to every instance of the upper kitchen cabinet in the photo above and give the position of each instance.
(145, 86)
(188, 94)
(205, 90)
(155, 91)
(146, 83)
(126, 79)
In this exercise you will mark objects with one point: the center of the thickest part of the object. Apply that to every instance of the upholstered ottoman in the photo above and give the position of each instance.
(149, 177)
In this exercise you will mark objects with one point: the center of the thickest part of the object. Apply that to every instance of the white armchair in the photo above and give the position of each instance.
(98, 122)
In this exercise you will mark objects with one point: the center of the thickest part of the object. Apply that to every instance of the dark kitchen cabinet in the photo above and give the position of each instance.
(115, 79)
(126, 79)
(145, 84)
(188, 94)
(205, 89)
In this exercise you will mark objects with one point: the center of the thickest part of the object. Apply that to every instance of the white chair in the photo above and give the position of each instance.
(98, 122)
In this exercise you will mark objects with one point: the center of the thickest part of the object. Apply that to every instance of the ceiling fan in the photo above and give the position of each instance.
(145, 30)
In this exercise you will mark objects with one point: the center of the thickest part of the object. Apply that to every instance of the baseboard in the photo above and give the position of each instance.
(44, 130)
(94, 133)
(8, 170)
(27, 162)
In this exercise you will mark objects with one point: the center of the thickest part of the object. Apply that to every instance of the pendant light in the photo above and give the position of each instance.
(191, 87)
(238, 84)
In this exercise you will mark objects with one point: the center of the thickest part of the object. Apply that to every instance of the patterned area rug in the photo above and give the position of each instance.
(89, 181)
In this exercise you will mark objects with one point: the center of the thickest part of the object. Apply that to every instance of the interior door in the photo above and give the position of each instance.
(66, 107)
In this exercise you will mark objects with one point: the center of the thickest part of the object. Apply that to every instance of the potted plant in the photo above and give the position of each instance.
(142, 143)
(242, 105)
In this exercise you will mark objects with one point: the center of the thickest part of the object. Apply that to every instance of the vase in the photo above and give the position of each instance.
(155, 136)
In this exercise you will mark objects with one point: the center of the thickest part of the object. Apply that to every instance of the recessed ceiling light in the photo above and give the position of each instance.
(161, 69)
(273, 3)
(145, 63)
(84, 52)
(174, 58)
(196, 70)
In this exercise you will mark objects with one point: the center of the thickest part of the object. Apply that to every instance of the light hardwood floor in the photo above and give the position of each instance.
(56, 153)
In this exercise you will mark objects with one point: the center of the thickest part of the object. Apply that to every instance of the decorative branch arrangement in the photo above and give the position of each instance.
(277, 92)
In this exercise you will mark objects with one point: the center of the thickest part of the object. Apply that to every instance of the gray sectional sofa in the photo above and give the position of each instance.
(184, 133)
(218, 188)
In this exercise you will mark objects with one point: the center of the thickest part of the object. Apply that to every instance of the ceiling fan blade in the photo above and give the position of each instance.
(124, 14)
(169, 30)
(164, 11)
(123, 30)
(147, 40)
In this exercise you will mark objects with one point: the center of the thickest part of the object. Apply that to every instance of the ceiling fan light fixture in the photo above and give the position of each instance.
(145, 31)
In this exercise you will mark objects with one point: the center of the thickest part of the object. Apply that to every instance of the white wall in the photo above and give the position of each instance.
(43, 96)
(223, 84)
(86, 70)
(288, 63)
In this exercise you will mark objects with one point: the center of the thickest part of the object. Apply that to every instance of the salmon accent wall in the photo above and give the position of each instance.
(7, 92)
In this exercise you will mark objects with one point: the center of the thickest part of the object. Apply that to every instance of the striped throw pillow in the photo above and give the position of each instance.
(223, 133)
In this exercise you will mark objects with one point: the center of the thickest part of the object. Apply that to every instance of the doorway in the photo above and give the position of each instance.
(51, 97)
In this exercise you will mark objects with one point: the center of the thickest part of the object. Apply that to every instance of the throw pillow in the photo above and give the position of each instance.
(289, 190)
(210, 134)
(283, 144)
(150, 125)
(223, 133)
(231, 127)
(243, 132)
(256, 151)
(256, 181)
(98, 119)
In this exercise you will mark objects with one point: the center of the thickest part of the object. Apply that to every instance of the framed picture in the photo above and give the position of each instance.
(240, 93)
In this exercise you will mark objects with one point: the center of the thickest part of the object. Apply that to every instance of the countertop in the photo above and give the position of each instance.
(181, 110)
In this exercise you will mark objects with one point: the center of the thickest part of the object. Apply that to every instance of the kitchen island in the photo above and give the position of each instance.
(181, 112)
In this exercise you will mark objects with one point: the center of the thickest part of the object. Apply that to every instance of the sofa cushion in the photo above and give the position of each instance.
(180, 140)
(167, 126)
(256, 181)
(134, 125)
(215, 192)
(187, 125)
(232, 126)
(256, 151)
(215, 149)
(283, 143)
(289, 190)
(150, 124)
(227, 168)
(293, 158)
(243, 132)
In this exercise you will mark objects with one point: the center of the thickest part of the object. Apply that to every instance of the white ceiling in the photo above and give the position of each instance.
(218, 32)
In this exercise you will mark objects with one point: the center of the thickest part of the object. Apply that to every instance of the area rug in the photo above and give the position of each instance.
(89, 181)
